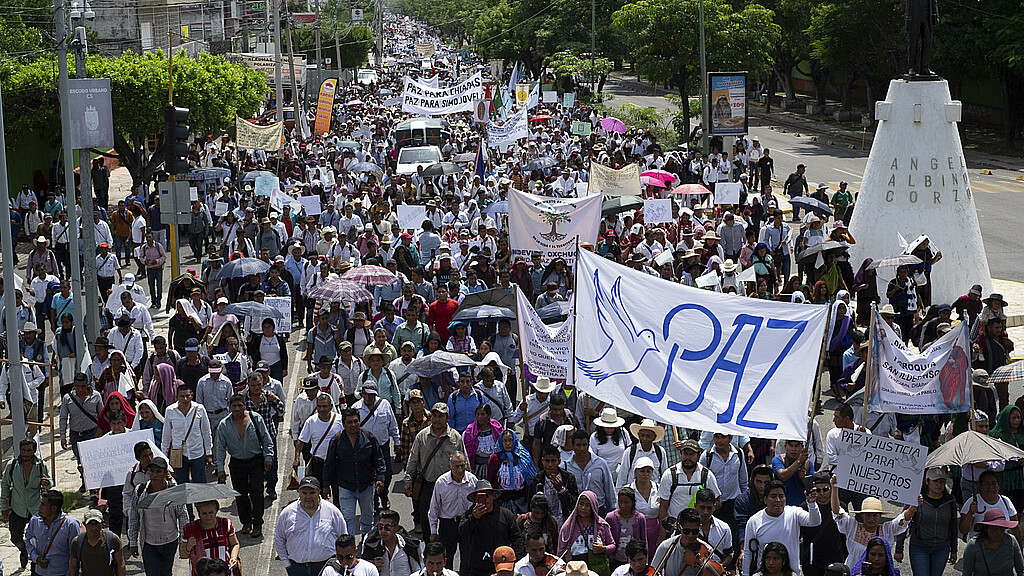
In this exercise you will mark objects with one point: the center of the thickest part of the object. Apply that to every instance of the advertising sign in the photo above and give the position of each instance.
(728, 103)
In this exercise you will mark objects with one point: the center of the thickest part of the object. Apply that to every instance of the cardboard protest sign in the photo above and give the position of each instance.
(880, 466)
(582, 128)
(311, 204)
(727, 192)
(549, 96)
(411, 217)
(284, 305)
(106, 460)
(657, 210)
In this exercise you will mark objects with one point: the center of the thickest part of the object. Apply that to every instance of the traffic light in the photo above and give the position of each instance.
(176, 140)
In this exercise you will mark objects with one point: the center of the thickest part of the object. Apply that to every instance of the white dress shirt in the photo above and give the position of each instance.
(141, 320)
(449, 498)
(176, 425)
(302, 408)
(382, 425)
(130, 344)
(301, 537)
(313, 429)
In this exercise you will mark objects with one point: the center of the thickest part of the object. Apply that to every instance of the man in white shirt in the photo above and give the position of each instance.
(777, 523)
(315, 437)
(648, 435)
(308, 530)
(843, 420)
(141, 320)
(537, 561)
(448, 502)
(128, 340)
(304, 406)
(680, 482)
(729, 466)
(187, 428)
(379, 420)
(435, 561)
(591, 472)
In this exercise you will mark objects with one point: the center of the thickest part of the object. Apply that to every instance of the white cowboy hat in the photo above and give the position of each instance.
(647, 424)
(869, 505)
(578, 568)
(544, 385)
(609, 419)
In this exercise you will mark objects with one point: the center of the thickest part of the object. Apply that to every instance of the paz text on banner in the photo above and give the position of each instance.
(546, 352)
(255, 137)
(694, 358)
(554, 227)
(879, 466)
(607, 181)
(419, 98)
(936, 381)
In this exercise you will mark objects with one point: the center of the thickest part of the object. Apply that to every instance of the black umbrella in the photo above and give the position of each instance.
(484, 312)
(253, 175)
(541, 163)
(812, 204)
(441, 168)
(243, 267)
(495, 297)
(827, 246)
(621, 204)
(555, 310)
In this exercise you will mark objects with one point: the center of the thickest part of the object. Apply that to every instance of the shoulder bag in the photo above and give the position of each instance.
(175, 455)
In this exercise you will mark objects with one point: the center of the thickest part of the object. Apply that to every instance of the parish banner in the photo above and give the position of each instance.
(607, 181)
(516, 127)
(325, 106)
(936, 381)
(545, 352)
(551, 226)
(694, 358)
(419, 98)
(254, 136)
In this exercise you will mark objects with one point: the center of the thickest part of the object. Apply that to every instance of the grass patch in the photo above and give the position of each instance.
(71, 500)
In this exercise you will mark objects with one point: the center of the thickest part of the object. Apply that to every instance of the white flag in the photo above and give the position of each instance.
(551, 226)
(546, 351)
(694, 358)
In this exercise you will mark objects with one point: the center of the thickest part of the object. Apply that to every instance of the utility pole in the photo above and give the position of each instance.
(316, 30)
(92, 296)
(16, 376)
(593, 47)
(703, 81)
(300, 112)
(278, 88)
(69, 180)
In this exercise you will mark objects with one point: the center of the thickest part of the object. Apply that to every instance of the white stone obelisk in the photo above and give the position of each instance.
(916, 182)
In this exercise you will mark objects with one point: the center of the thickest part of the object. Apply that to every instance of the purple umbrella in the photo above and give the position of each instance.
(613, 125)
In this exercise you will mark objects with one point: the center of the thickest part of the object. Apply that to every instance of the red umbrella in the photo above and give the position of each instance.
(652, 181)
(541, 118)
(690, 189)
(664, 176)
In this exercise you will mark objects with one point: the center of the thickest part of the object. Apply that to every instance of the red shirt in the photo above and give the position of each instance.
(440, 316)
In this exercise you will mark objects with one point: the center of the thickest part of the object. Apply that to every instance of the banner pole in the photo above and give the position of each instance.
(575, 300)
(816, 396)
(867, 366)
(522, 363)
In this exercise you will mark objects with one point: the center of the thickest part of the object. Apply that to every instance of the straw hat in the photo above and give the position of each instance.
(647, 424)
(578, 568)
(609, 419)
(870, 505)
(544, 385)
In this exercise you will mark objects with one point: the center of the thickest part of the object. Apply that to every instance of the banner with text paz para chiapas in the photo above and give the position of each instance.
(552, 226)
(607, 181)
(546, 351)
(695, 358)
(419, 98)
(935, 381)
(325, 106)
(255, 137)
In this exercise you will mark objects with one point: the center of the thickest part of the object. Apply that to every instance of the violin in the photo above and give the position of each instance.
(701, 557)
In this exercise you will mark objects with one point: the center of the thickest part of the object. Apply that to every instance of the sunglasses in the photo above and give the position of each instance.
(385, 527)
(689, 531)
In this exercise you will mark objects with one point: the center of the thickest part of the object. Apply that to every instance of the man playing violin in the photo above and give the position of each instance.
(686, 554)
(712, 530)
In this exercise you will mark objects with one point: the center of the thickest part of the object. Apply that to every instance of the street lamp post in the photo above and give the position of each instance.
(703, 81)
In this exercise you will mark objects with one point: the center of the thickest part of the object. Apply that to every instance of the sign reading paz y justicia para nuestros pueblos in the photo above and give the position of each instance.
(878, 466)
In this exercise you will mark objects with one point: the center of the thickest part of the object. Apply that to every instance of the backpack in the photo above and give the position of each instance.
(657, 450)
(706, 456)
(704, 472)
(108, 543)
(451, 398)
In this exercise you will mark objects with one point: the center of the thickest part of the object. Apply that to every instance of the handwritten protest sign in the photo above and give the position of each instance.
(727, 192)
(546, 352)
(265, 185)
(106, 460)
(220, 208)
(657, 210)
(879, 466)
(284, 305)
(549, 96)
(411, 217)
(582, 128)
(568, 99)
(311, 204)
(610, 182)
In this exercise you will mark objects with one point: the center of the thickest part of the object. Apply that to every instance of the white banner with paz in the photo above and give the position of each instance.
(880, 466)
(107, 460)
(657, 210)
(410, 217)
(936, 381)
(551, 226)
(694, 358)
(546, 352)
(611, 182)
(728, 192)
(418, 98)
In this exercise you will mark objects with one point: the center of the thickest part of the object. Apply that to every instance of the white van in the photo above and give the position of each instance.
(412, 157)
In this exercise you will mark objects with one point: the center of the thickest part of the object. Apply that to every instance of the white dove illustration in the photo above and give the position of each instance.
(612, 314)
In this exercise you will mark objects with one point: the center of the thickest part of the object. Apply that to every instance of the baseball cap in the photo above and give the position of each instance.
(191, 345)
(370, 387)
(309, 482)
(504, 559)
(937, 473)
(415, 393)
(159, 462)
(262, 366)
(93, 515)
(215, 365)
(690, 445)
(310, 383)
(439, 407)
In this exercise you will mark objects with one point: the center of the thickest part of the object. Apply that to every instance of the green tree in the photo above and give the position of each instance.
(213, 89)
(663, 37)
(567, 65)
